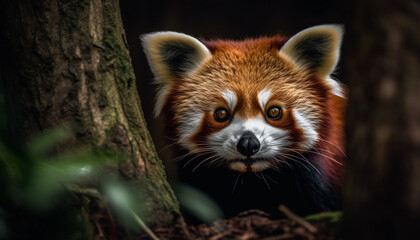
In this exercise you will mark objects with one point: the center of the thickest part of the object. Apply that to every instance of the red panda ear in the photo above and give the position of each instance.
(316, 49)
(172, 54)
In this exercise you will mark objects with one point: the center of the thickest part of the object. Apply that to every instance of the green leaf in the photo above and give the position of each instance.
(126, 202)
(197, 203)
(333, 217)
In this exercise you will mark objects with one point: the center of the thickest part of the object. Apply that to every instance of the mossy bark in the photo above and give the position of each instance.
(382, 191)
(67, 62)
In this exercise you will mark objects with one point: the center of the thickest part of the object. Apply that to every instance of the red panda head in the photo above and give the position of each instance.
(248, 104)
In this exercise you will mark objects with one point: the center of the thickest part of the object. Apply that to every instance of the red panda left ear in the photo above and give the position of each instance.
(171, 57)
(172, 54)
(316, 49)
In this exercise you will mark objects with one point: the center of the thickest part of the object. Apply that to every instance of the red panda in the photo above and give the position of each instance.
(260, 120)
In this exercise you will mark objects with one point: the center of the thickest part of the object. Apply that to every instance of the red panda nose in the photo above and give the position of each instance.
(248, 144)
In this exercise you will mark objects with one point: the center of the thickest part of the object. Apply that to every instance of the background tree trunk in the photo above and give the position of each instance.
(67, 61)
(382, 198)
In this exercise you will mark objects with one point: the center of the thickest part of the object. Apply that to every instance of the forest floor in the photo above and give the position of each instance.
(255, 224)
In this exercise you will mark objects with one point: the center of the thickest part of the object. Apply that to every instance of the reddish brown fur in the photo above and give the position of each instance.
(333, 139)
(246, 68)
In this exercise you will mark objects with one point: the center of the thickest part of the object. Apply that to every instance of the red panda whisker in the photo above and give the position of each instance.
(172, 139)
(277, 168)
(306, 160)
(292, 158)
(300, 154)
(269, 178)
(203, 162)
(182, 156)
(330, 158)
(195, 157)
(265, 174)
(317, 152)
(259, 174)
(205, 149)
(212, 161)
(281, 160)
(167, 147)
(325, 150)
(191, 160)
(236, 182)
(220, 162)
(206, 145)
(344, 154)
(209, 163)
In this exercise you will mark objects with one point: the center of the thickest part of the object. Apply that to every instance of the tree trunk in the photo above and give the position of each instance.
(67, 61)
(382, 198)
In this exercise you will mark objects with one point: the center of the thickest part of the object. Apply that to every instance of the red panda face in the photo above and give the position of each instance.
(248, 105)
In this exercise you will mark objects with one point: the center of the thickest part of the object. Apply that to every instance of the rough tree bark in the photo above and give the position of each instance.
(382, 199)
(68, 62)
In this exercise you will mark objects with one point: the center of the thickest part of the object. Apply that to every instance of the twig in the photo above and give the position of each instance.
(311, 228)
(143, 225)
(220, 235)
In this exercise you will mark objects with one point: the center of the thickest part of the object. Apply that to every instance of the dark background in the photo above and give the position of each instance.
(220, 19)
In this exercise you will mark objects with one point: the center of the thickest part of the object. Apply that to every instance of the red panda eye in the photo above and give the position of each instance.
(221, 115)
(274, 113)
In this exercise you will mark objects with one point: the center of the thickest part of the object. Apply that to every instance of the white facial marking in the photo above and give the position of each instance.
(336, 87)
(190, 123)
(263, 97)
(308, 127)
(272, 140)
(230, 98)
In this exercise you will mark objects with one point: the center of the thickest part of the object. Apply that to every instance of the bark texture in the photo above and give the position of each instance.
(382, 199)
(68, 62)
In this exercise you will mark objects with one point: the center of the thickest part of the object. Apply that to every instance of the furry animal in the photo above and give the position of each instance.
(258, 122)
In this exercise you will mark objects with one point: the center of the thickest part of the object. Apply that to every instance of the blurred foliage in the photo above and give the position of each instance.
(332, 217)
(126, 203)
(198, 204)
(37, 182)
(35, 175)
(33, 185)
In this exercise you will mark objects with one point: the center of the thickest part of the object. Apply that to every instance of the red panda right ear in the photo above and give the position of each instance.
(316, 49)
(172, 54)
